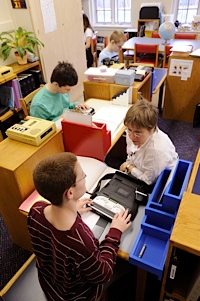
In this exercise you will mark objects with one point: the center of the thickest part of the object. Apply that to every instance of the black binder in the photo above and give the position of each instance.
(37, 77)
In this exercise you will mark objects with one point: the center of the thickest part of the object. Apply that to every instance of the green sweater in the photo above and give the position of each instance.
(50, 106)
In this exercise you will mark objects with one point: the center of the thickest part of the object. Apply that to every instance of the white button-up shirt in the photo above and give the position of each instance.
(152, 157)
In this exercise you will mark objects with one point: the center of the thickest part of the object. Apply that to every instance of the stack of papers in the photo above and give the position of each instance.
(112, 116)
(183, 50)
(195, 53)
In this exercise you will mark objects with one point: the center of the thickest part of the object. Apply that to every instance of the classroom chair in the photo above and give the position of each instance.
(147, 54)
(167, 53)
(155, 34)
(128, 55)
(26, 101)
(94, 50)
(185, 36)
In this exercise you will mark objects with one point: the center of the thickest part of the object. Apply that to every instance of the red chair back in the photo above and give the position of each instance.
(146, 54)
(94, 50)
(185, 36)
(146, 48)
(167, 53)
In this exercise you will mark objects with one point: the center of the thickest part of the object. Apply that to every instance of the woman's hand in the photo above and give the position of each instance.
(123, 166)
(121, 221)
(81, 205)
(127, 167)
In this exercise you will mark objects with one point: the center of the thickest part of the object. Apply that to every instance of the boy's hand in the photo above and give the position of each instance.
(121, 221)
(83, 106)
(81, 205)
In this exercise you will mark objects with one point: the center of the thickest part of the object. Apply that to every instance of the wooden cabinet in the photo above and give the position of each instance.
(143, 22)
(184, 243)
(17, 162)
(182, 94)
(16, 70)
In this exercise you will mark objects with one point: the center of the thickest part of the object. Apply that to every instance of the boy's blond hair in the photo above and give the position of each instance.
(117, 36)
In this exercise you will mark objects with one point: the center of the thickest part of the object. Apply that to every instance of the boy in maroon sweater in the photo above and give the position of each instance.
(71, 263)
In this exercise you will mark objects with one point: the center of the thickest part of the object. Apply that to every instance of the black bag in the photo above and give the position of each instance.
(122, 189)
(196, 119)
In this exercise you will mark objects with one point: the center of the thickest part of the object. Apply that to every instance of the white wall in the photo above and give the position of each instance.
(10, 19)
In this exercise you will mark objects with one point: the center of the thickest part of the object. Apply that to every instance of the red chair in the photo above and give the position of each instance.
(155, 34)
(128, 55)
(185, 36)
(147, 54)
(167, 53)
(94, 50)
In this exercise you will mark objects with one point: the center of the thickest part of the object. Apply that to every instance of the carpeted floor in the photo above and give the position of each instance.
(185, 138)
(183, 135)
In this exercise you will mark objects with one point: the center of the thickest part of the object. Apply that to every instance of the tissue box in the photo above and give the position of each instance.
(125, 77)
(96, 75)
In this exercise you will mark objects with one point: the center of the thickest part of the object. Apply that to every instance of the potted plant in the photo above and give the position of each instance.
(20, 40)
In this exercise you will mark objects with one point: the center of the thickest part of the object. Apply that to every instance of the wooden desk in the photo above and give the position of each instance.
(17, 162)
(130, 44)
(106, 91)
(185, 239)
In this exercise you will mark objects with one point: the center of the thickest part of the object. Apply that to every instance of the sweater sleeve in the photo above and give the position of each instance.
(100, 260)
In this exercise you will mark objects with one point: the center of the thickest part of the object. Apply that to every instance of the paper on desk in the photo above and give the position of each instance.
(111, 116)
(90, 218)
(78, 117)
(195, 53)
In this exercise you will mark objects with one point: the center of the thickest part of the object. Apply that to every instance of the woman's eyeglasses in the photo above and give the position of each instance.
(136, 134)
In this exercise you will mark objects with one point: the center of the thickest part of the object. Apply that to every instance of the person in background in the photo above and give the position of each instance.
(71, 263)
(53, 98)
(149, 150)
(88, 34)
(117, 40)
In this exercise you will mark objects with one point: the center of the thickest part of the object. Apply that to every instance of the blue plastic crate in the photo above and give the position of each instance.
(156, 219)
(174, 191)
(154, 256)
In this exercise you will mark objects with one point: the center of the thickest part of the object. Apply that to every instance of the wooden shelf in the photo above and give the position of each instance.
(142, 22)
(16, 70)
(21, 68)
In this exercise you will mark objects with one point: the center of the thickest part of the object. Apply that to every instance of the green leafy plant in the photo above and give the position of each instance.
(20, 40)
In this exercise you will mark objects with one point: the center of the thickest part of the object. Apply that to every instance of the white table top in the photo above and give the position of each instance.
(174, 42)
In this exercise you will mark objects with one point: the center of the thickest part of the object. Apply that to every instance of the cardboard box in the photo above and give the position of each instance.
(125, 77)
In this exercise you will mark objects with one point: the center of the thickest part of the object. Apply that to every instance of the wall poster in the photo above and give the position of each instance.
(18, 3)
(181, 68)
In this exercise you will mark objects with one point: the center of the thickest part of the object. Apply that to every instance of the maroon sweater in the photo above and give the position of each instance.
(71, 264)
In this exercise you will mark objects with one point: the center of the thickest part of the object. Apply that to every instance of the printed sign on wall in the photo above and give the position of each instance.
(18, 4)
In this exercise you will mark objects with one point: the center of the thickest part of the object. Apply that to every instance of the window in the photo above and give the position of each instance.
(112, 12)
(186, 10)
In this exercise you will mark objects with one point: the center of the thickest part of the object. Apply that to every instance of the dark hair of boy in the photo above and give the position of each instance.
(64, 74)
(54, 175)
